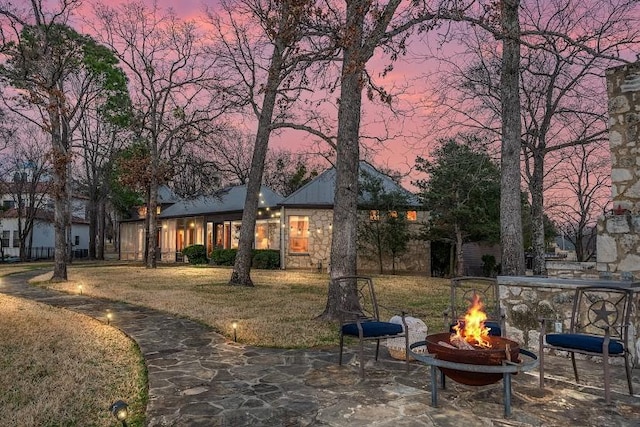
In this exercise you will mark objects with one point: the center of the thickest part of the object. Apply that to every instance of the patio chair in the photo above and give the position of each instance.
(463, 289)
(599, 327)
(360, 317)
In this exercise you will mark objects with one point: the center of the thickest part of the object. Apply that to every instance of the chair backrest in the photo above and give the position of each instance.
(464, 288)
(596, 308)
(358, 295)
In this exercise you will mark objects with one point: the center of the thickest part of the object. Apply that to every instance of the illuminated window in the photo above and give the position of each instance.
(412, 216)
(299, 234)
(374, 215)
(393, 214)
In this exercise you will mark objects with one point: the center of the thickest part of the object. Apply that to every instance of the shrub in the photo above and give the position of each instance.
(489, 266)
(267, 259)
(225, 257)
(197, 254)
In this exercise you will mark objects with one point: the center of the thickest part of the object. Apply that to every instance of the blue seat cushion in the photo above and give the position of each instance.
(372, 329)
(494, 328)
(591, 343)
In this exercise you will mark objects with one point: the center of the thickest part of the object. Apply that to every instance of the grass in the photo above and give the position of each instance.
(62, 368)
(279, 311)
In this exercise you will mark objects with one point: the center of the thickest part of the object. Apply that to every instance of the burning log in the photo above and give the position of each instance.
(459, 342)
(446, 344)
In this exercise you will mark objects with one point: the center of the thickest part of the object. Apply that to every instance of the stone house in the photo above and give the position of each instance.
(299, 226)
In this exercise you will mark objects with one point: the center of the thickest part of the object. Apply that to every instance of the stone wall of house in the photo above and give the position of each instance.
(416, 260)
(618, 241)
(525, 300)
(320, 229)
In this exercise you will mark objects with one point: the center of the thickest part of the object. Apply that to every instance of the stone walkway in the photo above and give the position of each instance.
(197, 378)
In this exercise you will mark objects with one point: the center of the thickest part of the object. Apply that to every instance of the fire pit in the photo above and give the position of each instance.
(500, 349)
(471, 356)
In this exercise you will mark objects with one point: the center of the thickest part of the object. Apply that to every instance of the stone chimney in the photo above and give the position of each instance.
(618, 241)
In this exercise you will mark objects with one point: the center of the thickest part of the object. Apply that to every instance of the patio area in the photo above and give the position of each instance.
(197, 378)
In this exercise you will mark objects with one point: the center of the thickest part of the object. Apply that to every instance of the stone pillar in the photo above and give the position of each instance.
(618, 241)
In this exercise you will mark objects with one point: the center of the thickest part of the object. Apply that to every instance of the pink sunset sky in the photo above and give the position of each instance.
(408, 140)
(414, 135)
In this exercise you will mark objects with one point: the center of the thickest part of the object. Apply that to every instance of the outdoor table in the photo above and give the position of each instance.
(506, 369)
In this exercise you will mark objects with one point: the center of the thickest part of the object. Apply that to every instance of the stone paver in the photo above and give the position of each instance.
(197, 378)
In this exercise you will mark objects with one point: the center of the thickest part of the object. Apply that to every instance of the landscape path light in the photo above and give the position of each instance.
(234, 325)
(109, 317)
(120, 411)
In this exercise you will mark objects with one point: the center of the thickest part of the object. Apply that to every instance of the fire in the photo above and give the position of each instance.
(473, 329)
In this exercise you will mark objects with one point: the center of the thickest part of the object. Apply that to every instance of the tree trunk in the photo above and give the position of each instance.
(537, 214)
(241, 274)
(510, 203)
(101, 228)
(152, 215)
(93, 223)
(459, 252)
(60, 215)
(379, 246)
(345, 206)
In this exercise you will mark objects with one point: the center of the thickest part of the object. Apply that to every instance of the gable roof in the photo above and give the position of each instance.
(230, 199)
(321, 190)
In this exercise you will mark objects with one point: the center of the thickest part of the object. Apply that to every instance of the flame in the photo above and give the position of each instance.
(473, 329)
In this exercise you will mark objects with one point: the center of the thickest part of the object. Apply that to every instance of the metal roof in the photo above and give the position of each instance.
(230, 199)
(320, 191)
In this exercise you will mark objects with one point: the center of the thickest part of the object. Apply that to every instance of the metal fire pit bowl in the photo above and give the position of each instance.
(504, 370)
(494, 356)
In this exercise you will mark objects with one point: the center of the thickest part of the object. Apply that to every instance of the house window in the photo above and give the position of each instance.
(76, 240)
(299, 234)
(392, 214)
(8, 204)
(412, 215)
(6, 234)
(374, 215)
(16, 239)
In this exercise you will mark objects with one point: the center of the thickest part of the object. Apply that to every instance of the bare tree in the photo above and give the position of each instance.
(581, 196)
(264, 51)
(100, 141)
(171, 89)
(359, 27)
(565, 48)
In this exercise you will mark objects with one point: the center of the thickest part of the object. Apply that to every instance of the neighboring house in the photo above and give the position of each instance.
(299, 226)
(42, 236)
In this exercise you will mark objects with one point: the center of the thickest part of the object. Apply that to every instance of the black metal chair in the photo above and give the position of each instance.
(463, 290)
(360, 317)
(599, 327)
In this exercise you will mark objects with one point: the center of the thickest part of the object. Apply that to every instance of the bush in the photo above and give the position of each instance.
(197, 254)
(489, 266)
(225, 257)
(266, 259)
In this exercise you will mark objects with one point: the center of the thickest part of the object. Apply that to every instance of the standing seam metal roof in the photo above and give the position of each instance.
(321, 190)
(230, 199)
